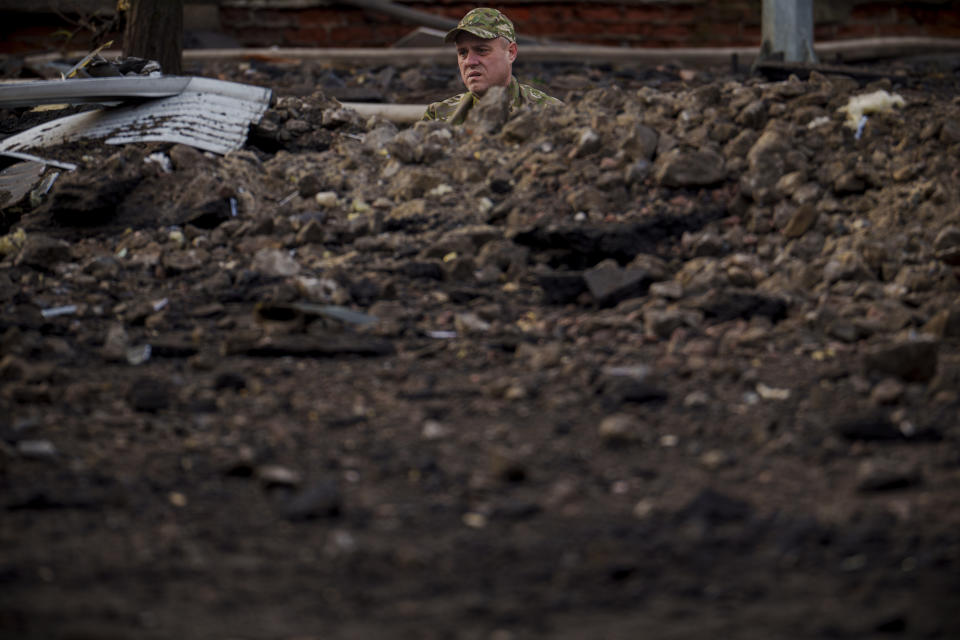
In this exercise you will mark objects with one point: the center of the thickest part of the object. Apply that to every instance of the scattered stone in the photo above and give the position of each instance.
(274, 262)
(947, 245)
(714, 508)
(319, 500)
(914, 361)
(433, 430)
(610, 284)
(731, 304)
(945, 324)
(685, 168)
(888, 391)
(716, 459)
(875, 475)
(43, 252)
(273, 476)
(801, 221)
(149, 395)
(870, 427)
(622, 389)
(37, 449)
(620, 428)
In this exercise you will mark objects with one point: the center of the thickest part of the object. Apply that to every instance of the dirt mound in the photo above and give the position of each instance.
(659, 354)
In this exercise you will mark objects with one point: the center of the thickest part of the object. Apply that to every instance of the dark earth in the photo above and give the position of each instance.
(680, 359)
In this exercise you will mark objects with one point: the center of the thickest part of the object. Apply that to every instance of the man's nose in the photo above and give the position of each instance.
(472, 59)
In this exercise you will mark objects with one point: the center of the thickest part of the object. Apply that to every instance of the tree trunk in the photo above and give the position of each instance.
(155, 31)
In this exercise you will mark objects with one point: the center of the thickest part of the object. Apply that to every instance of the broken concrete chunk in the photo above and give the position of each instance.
(690, 168)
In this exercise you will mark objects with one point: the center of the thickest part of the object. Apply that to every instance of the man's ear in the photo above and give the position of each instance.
(512, 51)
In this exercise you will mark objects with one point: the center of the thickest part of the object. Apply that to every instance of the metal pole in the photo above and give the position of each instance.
(788, 30)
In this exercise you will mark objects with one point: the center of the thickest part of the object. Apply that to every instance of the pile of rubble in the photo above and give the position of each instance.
(748, 273)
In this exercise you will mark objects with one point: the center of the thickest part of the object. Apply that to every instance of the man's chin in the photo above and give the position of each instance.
(477, 86)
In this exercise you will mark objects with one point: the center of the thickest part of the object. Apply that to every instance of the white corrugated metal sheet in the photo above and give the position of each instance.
(208, 114)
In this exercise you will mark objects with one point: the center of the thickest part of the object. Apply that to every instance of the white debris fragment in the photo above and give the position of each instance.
(161, 160)
(53, 312)
(772, 393)
(326, 199)
(876, 102)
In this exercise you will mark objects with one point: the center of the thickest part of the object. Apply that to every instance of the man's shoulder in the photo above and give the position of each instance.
(443, 109)
(536, 96)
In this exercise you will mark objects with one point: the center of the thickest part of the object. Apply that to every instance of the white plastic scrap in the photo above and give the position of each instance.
(53, 312)
(860, 125)
(876, 102)
(161, 160)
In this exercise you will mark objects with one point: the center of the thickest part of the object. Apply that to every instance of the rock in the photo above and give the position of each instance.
(149, 395)
(406, 213)
(588, 142)
(539, 357)
(182, 261)
(36, 449)
(433, 430)
(641, 143)
(846, 265)
(754, 115)
(767, 163)
(407, 146)
(275, 263)
(731, 304)
(319, 500)
(620, 428)
(103, 267)
(661, 323)
(185, 158)
(561, 287)
(230, 380)
(914, 361)
(13, 368)
(273, 476)
(521, 128)
(690, 168)
(947, 245)
(950, 132)
(714, 508)
(623, 389)
(801, 221)
(944, 324)
(490, 114)
(888, 391)
(716, 459)
(609, 283)
(116, 343)
(876, 475)
(869, 427)
(848, 183)
(311, 233)
(42, 252)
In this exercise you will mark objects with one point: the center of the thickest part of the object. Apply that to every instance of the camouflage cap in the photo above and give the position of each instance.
(484, 23)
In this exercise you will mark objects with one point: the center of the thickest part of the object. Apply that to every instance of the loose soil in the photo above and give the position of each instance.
(679, 359)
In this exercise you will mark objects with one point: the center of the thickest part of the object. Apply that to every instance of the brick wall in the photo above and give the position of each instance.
(641, 23)
(648, 23)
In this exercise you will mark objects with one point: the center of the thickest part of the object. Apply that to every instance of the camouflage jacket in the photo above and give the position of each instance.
(454, 110)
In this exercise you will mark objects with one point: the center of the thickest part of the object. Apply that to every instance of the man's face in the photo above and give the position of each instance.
(485, 63)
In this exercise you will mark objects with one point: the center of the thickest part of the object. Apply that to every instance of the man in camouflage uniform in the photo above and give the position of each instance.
(486, 49)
